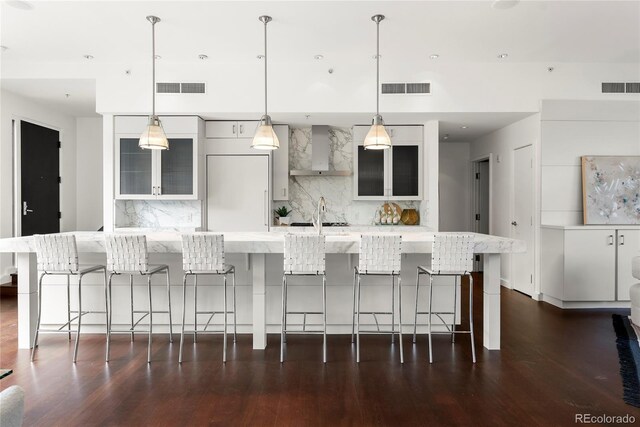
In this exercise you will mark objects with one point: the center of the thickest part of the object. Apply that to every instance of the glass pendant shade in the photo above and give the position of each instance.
(265, 137)
(154, 138)
(377, 138)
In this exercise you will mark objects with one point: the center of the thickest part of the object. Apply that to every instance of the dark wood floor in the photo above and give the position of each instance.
(553, 364)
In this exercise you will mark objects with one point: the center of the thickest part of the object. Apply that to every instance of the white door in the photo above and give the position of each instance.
(522, 224)
(628, 248)
(238, 193)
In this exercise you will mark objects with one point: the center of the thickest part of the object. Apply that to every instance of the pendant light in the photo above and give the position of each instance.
(153, 138)
(265, 138)
(377, 138)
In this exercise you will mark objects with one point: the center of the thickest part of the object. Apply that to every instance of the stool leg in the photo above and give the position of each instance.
(224, 344)
(324, 318)
(400, 318)
(169, 298)
(110, 317)
(473, 341)
(415, 319)
(69, 307)
(106, 313)
(131, 300)
(150, 320)
(235, 315)
(353, 317)
(430, 307)
(284, 318)
(358, 322)
(184, 298)
(455, 308)
(195, 308)
(75, 349)
(35, 339)
(393, 308)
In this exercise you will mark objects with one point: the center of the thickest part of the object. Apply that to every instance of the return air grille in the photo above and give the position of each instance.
(180, 88)
(620, 87)
(406, 88)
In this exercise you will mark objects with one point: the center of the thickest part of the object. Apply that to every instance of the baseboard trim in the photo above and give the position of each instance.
(584, 304)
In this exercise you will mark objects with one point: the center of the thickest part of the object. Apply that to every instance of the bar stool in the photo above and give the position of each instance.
(203, 254)
(451, 255)
(304, 255)
(128, 254)
(57, 254)
(380, 255)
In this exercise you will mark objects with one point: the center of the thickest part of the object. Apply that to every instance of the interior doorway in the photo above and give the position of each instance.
(39, 175)
(522, 223)
(481, 175)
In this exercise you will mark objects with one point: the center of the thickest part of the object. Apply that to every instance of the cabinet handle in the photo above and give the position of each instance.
(241, 129)
(284, 191)
(159, 190)
(610, 239)
(266, 210)
(234, 129)
(622, 240)
(153, 191)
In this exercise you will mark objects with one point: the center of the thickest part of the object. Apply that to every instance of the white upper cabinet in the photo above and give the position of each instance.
(280, 166)
(157, 174)
(229, 129)
(392, 174)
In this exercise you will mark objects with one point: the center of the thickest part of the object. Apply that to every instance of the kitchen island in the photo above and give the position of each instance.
(258, 259)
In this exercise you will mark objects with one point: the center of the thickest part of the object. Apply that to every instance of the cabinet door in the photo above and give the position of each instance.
(177, 177)
(221, 129)
(246, 129)
(628, 248)
(134, 169)
(590, 265)
(370, 178)
(405, 171)
(405, 133)
(280, 170)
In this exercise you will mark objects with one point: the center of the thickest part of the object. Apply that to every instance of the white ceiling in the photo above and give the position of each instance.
(116, 33)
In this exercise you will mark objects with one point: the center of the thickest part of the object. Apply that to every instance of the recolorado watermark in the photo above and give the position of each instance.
(604, 419)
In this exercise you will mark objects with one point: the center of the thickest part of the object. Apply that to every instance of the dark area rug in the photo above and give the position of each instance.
(629, 356)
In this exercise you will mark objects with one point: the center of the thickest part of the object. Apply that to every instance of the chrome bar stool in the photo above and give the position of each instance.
(304, 255)
(127, 254)
(57, 254)
(203, 254)
(380, 255)
(451, 255)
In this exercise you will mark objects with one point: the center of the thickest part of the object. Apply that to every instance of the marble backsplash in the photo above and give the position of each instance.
(158, 213)
(304, 191)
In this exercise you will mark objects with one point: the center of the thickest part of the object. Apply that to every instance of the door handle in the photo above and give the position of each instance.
(234, 129)
(622, 240)
(514, 223)
(25, 210)
(241, 129)
(153, 191)
(610, 239)
(284, 191)
(266, 209)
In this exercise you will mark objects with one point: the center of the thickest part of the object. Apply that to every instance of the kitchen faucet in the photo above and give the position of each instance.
(317, 222)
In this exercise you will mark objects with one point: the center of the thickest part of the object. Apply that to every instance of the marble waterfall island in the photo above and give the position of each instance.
(258, 259)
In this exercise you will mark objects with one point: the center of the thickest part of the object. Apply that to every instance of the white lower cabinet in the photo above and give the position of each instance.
(587, 264)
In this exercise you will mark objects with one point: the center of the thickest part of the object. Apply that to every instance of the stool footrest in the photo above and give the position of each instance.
(299, 332)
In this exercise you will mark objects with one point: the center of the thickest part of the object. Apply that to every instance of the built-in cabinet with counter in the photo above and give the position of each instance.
(588, 266)
(393, 174)
(171, 174)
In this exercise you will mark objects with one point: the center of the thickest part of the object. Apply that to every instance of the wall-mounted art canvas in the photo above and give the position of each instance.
(611, 189)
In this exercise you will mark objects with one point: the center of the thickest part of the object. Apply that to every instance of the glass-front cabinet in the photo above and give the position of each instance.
(392, 174)
(156, 174)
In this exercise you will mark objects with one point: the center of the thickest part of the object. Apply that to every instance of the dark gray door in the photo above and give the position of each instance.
(40, 179)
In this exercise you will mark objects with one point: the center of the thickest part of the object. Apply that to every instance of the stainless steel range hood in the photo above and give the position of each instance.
(320, 150)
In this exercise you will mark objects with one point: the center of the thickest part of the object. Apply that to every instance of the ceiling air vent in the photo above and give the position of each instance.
(406, 88)
(180, 88)
(633, 87)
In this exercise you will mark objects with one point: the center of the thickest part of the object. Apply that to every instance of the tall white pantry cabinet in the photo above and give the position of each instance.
(588, 266)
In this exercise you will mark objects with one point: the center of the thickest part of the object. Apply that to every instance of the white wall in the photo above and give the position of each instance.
(500, 145)
(89, 216)
(14, 107)
(455, 186)
(571, 129)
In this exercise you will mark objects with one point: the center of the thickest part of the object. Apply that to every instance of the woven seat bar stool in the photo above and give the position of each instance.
(127, 254)
(380, 255)
(203, 254)
(451, 255)
(57, 254)
(304, 255)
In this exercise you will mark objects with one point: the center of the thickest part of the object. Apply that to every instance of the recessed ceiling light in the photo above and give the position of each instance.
(503, 55)
(67, 95)
(87, 57)
(260, 56)
(203, 56)
(158, 57)
(464, 127)
(20, 4)
(434, 56)
(318, 57)
(504, 4)
(3, 48)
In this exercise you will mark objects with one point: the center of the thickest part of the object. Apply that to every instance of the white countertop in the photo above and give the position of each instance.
(593, 227)
(273, 242)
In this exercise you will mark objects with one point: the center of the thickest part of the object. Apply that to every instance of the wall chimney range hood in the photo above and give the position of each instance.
(320, 150)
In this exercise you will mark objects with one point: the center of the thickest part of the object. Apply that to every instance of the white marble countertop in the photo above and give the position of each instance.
(272, 242)
(592, 227)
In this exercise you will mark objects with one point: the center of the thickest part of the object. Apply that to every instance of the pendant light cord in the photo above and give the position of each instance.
(378, 67)
(153, 67)
(265, 67)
